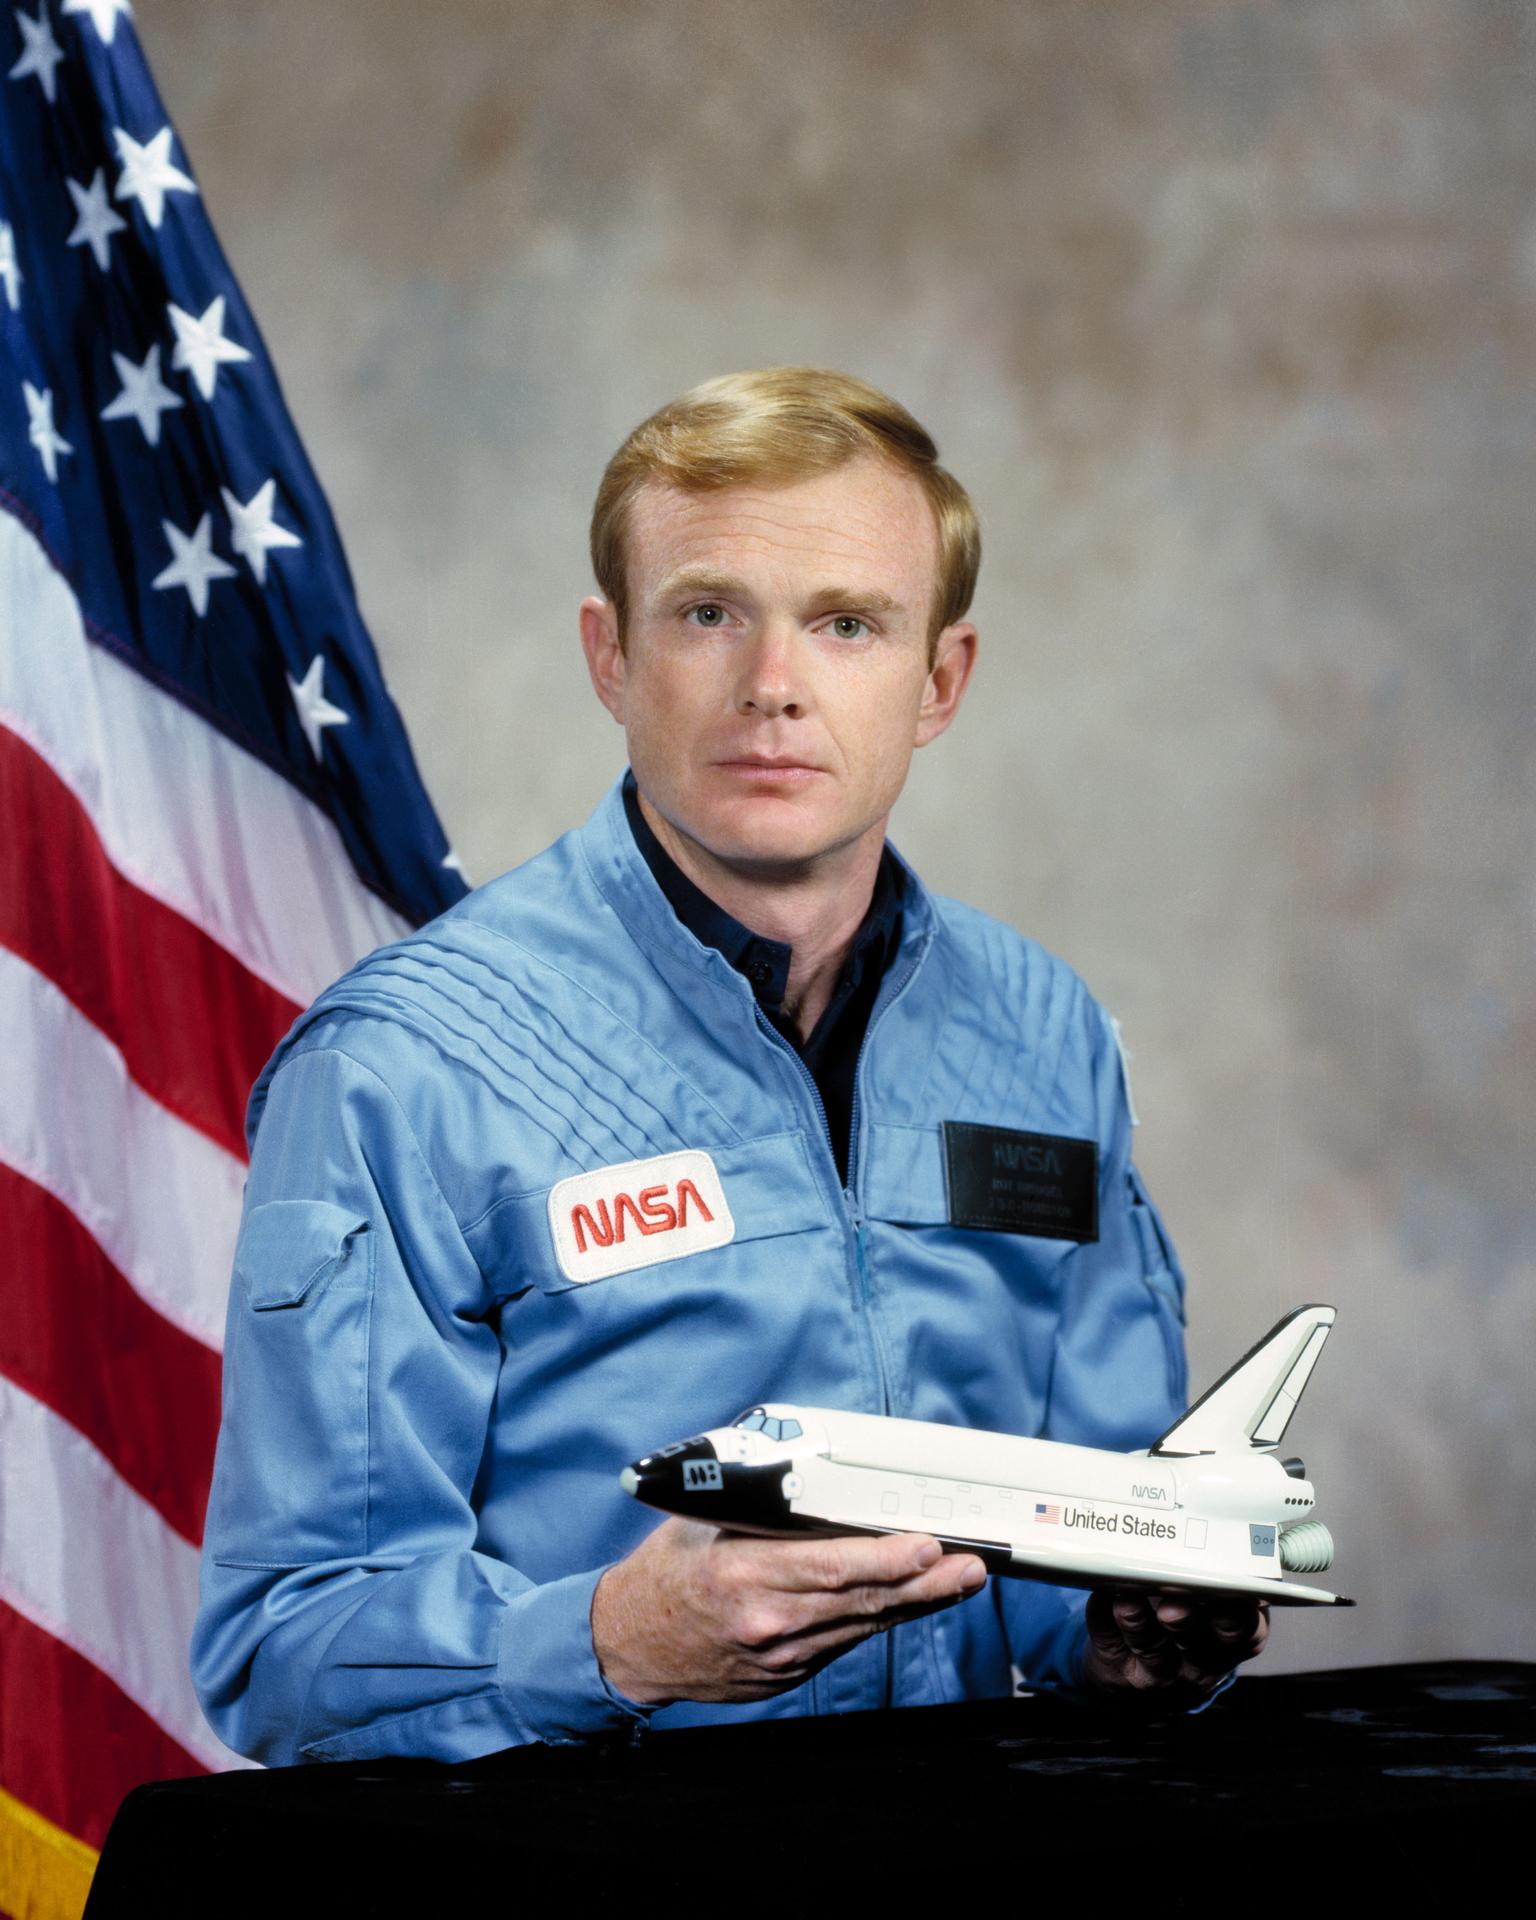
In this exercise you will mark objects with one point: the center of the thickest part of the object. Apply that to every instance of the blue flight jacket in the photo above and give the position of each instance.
(416, 1487)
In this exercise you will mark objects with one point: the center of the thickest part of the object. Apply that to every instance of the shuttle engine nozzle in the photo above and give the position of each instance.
(1306, 1548)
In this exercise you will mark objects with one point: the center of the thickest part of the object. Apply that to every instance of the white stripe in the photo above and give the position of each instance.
(89, 1561)
(182, 811)
(160, 1198)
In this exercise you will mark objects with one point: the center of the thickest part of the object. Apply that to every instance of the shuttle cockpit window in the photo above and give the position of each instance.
(759, 1420)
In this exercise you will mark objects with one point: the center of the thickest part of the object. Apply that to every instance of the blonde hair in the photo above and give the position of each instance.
(778, 425)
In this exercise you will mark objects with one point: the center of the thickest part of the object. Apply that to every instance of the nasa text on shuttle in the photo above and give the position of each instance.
(710, 1104)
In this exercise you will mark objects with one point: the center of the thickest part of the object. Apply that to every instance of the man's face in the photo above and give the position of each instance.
(775, 678)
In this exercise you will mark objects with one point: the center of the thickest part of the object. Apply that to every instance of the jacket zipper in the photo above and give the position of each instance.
(851, 1206)
(853, 1216)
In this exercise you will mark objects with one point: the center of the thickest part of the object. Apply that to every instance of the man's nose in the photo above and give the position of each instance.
(772, 673)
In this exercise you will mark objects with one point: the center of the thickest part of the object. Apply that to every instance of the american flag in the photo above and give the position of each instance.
(1050, 1516)
(208, 809)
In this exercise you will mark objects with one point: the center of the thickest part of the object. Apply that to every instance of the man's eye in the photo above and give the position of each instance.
(848, 626)
(709, 615)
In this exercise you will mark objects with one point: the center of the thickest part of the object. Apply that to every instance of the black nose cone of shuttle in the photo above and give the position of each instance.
(684, 1478)
(690, 1478)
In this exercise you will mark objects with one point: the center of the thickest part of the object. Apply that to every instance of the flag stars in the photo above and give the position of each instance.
(41, 53)
(95, 222)
(201, 346)
(148, 173)
(41, 430)
(194, 564)
(103, 12)
(10, 269)
(315, 711)
(144, 396)
(254, 531)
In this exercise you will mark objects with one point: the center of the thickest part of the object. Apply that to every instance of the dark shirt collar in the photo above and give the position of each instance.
(765, 962)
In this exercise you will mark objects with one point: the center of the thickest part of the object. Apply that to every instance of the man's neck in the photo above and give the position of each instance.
(815, 910)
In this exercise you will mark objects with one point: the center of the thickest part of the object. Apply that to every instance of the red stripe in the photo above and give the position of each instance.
(193, 1024)
(71, 1741)
(76, 1336)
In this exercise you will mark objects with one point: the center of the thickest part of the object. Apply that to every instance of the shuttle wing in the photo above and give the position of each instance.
(1148, 1577)
(1251, 1404)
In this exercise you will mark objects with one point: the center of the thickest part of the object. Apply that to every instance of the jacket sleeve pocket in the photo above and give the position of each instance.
(293, 1481)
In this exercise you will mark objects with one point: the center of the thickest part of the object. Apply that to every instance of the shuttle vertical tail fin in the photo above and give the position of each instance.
(1252, 1403)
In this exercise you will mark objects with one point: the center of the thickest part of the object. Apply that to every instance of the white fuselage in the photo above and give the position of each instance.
(1210, 1515)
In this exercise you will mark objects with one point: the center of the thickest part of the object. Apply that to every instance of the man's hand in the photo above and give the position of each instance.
(1171, 1648)
(697, 1614)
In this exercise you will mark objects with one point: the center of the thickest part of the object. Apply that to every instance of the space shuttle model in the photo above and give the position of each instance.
(1207, 1506)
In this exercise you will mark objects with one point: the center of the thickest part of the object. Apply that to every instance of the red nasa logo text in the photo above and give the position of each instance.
(650, 1210)
(638, 1214)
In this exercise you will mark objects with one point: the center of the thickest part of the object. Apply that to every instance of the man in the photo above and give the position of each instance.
(728, 1006)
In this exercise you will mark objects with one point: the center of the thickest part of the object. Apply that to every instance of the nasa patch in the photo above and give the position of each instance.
(638, 1214)
(1009, 1182)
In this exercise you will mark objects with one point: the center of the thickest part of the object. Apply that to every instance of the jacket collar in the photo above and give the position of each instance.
(766, 962)
(625, 880)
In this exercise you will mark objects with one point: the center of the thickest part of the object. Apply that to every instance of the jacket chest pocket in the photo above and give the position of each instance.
(906, 1184)
(653, 1229)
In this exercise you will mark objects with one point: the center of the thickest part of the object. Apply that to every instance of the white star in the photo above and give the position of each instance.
(103, 12)
(201, 346)
(144, 396)
(10, 271)
(96, 222)
(41, 431)
(254, 529)
(315, 711)
(42, 53)
(148, 174)
(195, 563)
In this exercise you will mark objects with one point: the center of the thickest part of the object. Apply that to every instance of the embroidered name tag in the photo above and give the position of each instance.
(638, 1214)
(1008, 1182)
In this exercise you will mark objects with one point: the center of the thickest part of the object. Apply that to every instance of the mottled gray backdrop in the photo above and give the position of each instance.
(1223, 311)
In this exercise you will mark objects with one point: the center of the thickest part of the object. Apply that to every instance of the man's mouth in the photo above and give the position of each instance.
(766, 763)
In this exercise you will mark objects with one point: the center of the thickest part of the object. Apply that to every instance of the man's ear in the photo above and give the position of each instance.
(605, 657)
(954, 655)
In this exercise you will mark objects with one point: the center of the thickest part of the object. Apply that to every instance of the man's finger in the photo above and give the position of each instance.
(1146, 1637)
(1236, 1627)
(1236, 1621)
(838, 1563)
(1137, 1621)
(817, 1642)
(1244, 1635)
(1173, 1609)
(955, 1577)
(1103, 1628)
(1218, 1635)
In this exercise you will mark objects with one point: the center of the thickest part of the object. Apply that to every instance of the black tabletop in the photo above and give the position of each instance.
(1320, 1791)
